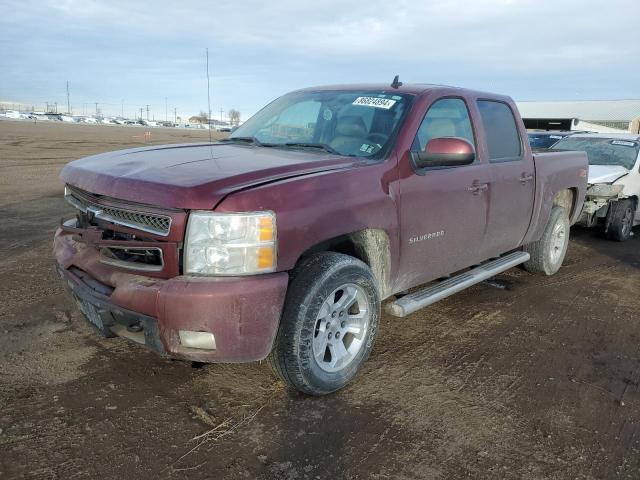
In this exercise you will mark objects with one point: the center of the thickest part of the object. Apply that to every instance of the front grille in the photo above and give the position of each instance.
(154, 223)
(147, 222)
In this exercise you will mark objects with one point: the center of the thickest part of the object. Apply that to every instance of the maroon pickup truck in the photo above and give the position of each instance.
(282, 241)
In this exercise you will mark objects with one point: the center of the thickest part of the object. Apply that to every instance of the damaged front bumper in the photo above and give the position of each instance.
(597, 202)
(243, 314)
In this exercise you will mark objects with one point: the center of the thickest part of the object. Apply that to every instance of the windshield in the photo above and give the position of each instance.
(355, 123)
(603, 151)
(543, 140)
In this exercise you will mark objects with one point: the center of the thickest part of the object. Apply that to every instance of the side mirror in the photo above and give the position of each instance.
(445, 152)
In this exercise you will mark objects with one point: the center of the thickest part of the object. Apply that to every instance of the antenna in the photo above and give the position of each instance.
(208, 98)
(396, 82)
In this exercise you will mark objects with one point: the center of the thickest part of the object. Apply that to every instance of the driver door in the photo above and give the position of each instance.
(443, 210)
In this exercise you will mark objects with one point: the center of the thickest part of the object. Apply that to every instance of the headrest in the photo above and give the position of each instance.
(351, 126)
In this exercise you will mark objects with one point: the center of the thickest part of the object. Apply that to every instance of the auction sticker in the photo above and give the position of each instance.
(624, 143)
(374, 102)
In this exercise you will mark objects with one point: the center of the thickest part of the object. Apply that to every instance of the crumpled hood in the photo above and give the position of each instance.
(606, 173)
(192, 176)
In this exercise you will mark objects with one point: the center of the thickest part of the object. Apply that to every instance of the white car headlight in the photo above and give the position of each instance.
(230, 243)
(604, 190)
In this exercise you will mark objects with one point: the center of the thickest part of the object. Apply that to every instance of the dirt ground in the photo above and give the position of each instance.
(536, 380)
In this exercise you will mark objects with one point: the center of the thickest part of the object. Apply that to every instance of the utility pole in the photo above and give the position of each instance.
(97, 111)
(68, 102)
(220, 115)
(147, 112)
(141, 113)
(208, 98)
(122, 108)
(175, 115)
(165, 109)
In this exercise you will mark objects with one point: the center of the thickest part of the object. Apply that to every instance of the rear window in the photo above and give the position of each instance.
(543, 140)
(503, 140)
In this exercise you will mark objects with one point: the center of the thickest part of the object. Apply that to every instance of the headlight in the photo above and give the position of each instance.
(604, 190)
(230, 243)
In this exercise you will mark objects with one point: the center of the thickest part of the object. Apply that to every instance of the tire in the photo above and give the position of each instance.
(547, 254)
(318, 316)
(620, 220)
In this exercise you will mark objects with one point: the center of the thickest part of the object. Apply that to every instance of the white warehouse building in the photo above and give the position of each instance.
(603, 116)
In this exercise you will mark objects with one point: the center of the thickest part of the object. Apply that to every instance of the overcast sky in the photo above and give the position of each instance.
(141, 52)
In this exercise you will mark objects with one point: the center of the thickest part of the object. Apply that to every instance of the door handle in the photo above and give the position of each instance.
(478, 188)
(526, 178)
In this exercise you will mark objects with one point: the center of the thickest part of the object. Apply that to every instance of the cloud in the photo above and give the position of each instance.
(148, 50)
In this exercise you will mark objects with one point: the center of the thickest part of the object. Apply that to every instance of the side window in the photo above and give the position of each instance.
(447, 117)
(503, 140)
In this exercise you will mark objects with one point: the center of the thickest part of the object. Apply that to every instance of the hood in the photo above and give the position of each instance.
(192, 176)
(606, 173)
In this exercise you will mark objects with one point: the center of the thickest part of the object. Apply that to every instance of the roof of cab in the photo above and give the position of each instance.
(411, 89)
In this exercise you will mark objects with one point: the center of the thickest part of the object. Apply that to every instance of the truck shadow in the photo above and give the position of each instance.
(594, 239)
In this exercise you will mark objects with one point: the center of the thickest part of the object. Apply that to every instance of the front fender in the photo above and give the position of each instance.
(316, 208)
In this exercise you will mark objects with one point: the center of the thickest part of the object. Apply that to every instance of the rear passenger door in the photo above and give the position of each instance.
(512, 190)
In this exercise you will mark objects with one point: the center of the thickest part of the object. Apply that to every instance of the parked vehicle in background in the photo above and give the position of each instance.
(545, 139)
(283, 240)
(614, 181)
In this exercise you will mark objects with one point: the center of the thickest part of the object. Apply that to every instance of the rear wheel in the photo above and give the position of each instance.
(620, 221)
(547, 254)
(329, 324)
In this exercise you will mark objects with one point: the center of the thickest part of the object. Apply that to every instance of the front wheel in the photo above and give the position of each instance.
(328, 325)
(620, 221)
(547, 254)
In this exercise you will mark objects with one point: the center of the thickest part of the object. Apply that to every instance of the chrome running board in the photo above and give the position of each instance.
(415, 301)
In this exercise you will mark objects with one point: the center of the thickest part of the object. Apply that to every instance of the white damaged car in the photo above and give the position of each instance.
(614, 181)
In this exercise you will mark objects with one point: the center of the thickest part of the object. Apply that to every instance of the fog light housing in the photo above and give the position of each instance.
(200, 340)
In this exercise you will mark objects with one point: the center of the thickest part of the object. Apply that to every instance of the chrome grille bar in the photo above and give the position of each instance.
(147, 222)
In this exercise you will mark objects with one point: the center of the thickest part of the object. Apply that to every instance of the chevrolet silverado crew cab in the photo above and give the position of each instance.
(282, 241)
(614, 181)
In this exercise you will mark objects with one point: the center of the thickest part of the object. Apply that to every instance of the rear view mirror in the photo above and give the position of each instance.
(445, 152)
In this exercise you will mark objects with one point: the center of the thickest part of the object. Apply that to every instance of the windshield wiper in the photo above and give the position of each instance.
(319, 146)
(251, 140)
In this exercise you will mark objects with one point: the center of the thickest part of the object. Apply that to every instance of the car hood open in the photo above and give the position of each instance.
(192, 176)
(606, 173)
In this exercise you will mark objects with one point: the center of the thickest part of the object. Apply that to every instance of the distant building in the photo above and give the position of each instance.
(604, 116)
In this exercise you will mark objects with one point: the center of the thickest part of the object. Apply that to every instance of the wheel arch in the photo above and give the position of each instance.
(568, 199)
(370, 245)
